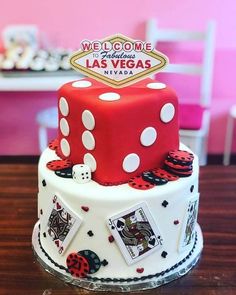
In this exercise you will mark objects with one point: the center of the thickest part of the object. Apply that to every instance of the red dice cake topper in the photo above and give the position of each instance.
(118, 133)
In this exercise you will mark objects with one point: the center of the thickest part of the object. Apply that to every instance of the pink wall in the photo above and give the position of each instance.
(66, 23)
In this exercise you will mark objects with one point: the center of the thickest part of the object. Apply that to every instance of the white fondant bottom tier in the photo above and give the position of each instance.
(120, 285)
(92, 205)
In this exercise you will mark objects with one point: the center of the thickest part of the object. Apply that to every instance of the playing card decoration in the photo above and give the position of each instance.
(135, 232)
(188, 229)
(60, 223)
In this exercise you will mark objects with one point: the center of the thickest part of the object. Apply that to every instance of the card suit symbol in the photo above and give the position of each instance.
(176, 222)
(58, 206)
(44, 235)
(85, 208)
(164, 254)
(57, 243)
(120, 224)
(90, 233)
(104, 262)
(152, 241)
(140, 269)
(164, 203)
(111, 239)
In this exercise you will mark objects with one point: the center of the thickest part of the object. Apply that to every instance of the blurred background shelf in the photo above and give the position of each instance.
(35, 82)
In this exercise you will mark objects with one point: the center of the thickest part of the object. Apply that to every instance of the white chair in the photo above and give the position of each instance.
(47, 118)
(194, 118)
(229, 135)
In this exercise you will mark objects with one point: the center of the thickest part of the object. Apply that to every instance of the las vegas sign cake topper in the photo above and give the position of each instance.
(117, 60)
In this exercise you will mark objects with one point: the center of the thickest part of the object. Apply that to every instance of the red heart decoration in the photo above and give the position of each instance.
(57, 243)
(58, 206)
(86, 209)
(111, 239)
(140, 270)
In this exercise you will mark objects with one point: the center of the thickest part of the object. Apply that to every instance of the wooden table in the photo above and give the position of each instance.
(21, 274)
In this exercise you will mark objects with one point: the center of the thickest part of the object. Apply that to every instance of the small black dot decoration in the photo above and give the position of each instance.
(41, 211)
(104, 262)
(164, 203)
(44, 182)
(44, 234)
(191, 188)
(164, 254)
(90, 233)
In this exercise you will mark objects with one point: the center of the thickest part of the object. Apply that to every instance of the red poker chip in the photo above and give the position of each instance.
(178, 162)
(54, 144)
(77, 265)
(139, 183)
(178, 167)
(59, 164)
(181, 155)
(180, 173)
(164, 174)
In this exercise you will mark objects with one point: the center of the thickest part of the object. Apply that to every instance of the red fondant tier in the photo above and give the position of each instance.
(119, 133)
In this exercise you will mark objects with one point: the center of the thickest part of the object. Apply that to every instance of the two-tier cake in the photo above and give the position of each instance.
(118, 194)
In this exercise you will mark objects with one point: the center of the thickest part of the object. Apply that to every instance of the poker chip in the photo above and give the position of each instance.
(139, 183)
(164, 174)
(178, 162)
(153, 179)
(59, 164)
(65, 173)
(92, 259)
(77, 265)
(179, 173)
(181, 155)
(54, 144)
(178, 166)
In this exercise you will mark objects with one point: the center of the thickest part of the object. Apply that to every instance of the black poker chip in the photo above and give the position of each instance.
(65, 173)
(153, 179)
(93, 260)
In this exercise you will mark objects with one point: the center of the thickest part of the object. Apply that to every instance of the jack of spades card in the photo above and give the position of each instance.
(135, 232)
